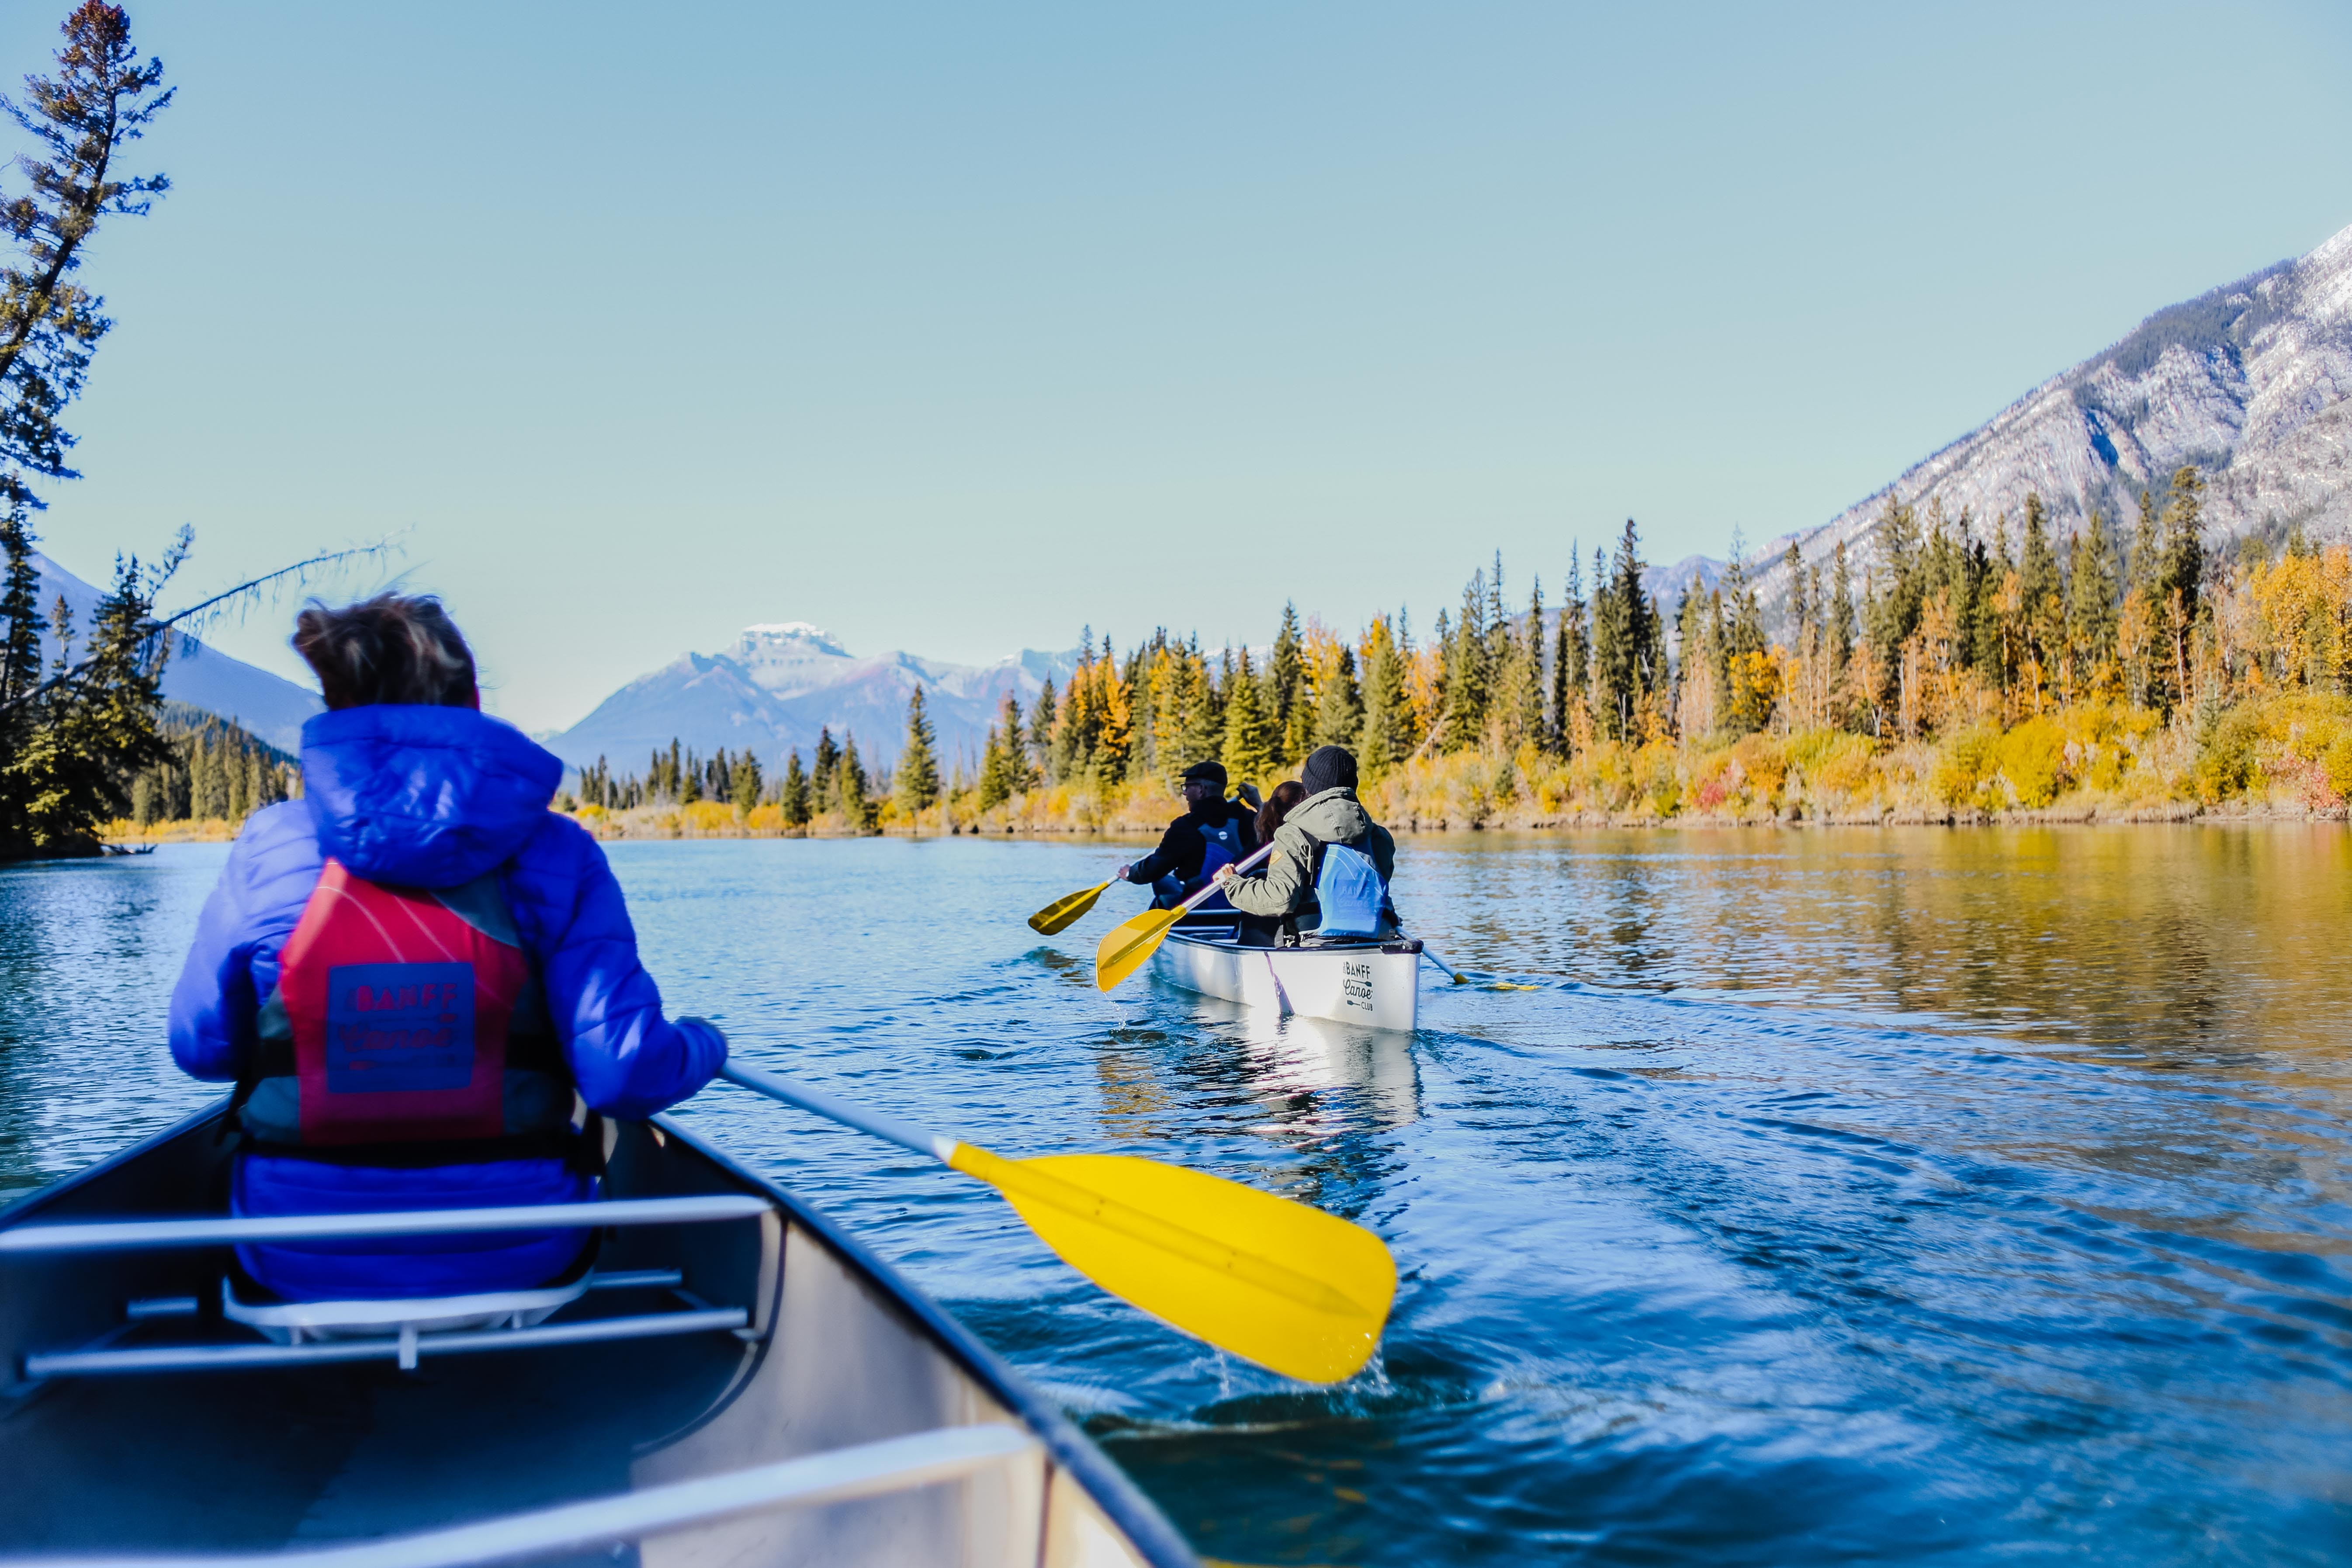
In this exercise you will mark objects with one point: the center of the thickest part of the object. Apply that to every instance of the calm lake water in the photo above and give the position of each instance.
(1840, 1196)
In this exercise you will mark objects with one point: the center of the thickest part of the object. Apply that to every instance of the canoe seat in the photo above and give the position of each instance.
(298, 1332)
(291, 1323)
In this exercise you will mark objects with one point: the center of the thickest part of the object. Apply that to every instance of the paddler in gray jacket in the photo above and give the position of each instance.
(1331, 863)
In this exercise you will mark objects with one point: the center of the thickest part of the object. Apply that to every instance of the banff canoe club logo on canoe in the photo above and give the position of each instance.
(393, 1026)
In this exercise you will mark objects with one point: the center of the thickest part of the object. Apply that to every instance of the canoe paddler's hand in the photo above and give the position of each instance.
(1122, 873)
(1226, 874)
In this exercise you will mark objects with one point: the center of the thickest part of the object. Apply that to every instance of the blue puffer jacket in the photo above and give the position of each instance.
(432, 797)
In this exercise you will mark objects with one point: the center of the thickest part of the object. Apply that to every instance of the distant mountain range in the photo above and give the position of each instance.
(267, 706)
(772, 689)
(2252, 383)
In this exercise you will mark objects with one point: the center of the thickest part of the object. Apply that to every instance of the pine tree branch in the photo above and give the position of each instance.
(300, 571)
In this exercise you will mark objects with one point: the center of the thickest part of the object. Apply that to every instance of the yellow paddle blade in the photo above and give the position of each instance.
(1284, 1285)
(1122, 952)
(1062, 911)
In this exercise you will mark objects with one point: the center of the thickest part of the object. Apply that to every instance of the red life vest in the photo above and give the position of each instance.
(400, 1009)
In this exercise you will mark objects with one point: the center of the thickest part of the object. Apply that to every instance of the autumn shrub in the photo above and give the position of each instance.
(2296, 742)
(1714, 780)
(1965, 763)
(1657, 777)
(1765, 762)
(2226, 763)
(1836, 766)
(2032, 758)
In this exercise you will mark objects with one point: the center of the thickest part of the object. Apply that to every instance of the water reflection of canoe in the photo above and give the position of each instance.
(734, 1380)
(1372, 983)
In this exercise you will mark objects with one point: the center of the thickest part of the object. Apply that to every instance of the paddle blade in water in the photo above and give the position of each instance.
(1288, 1287)
(1122, 952)
(1062, 911)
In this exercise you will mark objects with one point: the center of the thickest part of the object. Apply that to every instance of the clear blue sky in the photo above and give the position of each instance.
(953, 328)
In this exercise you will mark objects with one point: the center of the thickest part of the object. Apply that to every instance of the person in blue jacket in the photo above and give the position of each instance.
(422, 980)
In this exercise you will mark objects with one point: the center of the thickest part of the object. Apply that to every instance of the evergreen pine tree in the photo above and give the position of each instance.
(1569, 674)
(2091, 592)
(852, 788)
(1838, 620)
(825, 772)
(2042, 588)
(993, 788)
(1466, 674)
(237, 761)
(1893, 614)
(1250, 738)
(1628, 642)
(745, 782)
(1742, 618)
(1530, 713)
(1499, 643)
(93, 728)
(1286, 676)
(918, 783)
(1338, 708)
(1042, 719)
(795, 797)
(2184, 569)
(20, 646)
(1204, 716)
(1020, 767)
(1388, 736)
(1610, 695)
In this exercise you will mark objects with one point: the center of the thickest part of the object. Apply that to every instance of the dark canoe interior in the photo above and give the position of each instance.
(840, 1352)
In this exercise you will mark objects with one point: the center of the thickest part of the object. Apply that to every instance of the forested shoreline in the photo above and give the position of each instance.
(1969, 669)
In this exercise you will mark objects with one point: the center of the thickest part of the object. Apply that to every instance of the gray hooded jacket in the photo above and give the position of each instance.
(1333, 816)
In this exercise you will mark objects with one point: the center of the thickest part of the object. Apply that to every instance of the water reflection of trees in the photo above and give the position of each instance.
(2157, 941)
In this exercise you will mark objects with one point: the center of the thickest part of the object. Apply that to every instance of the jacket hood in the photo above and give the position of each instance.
(1333, 816)
(423, 797)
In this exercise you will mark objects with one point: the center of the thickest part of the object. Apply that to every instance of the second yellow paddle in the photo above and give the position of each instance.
(1290, 1288)
(1122, 952)
(1062, 911)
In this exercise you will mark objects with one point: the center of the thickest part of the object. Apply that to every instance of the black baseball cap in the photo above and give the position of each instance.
(1213, 772)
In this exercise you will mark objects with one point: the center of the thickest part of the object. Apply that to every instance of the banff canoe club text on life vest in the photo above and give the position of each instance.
(395, 1027)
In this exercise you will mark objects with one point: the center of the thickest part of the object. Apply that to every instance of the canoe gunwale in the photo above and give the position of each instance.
(1146, 1529)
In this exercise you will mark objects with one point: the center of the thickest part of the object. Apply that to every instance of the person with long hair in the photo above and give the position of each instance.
(423, 981)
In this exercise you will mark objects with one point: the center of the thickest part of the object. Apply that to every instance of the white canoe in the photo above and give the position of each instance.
(736, 1385)
(1375, 983)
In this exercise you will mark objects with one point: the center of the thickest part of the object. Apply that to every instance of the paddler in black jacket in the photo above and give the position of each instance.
(1214, 832)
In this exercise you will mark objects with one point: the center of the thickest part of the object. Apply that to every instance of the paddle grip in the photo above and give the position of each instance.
(805, 1097)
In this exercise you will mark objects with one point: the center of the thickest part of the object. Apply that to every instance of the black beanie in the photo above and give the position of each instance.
(1330, 767)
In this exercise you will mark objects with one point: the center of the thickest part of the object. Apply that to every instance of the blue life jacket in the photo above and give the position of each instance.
(1221, 845)
(1350, 893)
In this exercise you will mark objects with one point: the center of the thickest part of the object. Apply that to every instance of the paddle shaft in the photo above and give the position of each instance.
(1451, 973)
(792, 1091)
(1210, 890)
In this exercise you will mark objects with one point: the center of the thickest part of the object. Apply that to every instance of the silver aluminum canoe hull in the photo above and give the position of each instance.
(1362, 986)
(849, 1422)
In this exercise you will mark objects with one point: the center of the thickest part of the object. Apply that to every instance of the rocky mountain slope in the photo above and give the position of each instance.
(2252, 382)
(201, 677)
(772, 689)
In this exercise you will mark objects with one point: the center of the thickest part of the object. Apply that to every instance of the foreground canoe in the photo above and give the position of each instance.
(1373, 982)
(734, 1382)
